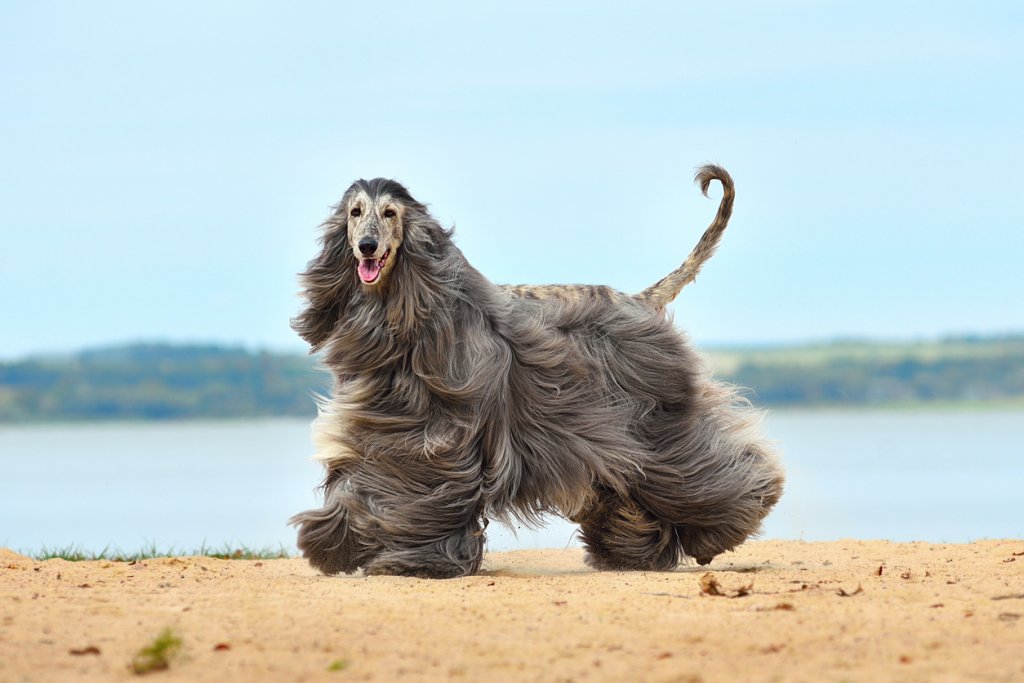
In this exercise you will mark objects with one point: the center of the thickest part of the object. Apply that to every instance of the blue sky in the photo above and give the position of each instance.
(165, 165)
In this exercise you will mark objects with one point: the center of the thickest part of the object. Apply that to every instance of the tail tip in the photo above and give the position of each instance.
(708, 172)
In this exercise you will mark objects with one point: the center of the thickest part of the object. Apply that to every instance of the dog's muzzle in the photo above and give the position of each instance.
(370, 268)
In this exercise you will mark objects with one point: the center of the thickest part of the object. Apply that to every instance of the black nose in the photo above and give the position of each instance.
(367, 246)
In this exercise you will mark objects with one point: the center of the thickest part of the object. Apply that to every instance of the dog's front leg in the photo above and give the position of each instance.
(326, 536)
(426, 515)
(432, 552)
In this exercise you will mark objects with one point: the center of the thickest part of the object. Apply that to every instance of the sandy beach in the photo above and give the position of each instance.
(772, 611)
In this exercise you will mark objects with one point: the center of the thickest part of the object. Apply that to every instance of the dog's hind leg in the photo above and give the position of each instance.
(620, 534)
(757, 479)
(712, 475)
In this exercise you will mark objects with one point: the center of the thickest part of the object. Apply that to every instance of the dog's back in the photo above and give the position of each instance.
(568, 293)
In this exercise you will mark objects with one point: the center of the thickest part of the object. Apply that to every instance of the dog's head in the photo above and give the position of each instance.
(375, 231)
(373, 212)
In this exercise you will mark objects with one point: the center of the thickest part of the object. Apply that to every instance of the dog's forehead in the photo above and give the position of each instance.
(358, 196)
(364, 197)
(378, 191)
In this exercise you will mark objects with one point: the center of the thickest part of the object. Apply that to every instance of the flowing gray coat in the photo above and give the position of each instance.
(456, 401)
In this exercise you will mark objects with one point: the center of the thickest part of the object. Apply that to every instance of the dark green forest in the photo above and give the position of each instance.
(956, 370)
(159, 382)
(162, 381)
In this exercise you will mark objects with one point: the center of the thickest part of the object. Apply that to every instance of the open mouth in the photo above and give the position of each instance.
(370, 268)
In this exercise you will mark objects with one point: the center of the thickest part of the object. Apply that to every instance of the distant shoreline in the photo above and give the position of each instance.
(168, 382)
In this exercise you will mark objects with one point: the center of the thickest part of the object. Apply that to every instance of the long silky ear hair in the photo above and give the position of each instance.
(427, 264)
(329, 282)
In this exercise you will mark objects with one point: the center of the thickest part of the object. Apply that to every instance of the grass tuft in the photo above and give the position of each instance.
(242, 552)
(338, 665)
(158, 654)
(75, 553)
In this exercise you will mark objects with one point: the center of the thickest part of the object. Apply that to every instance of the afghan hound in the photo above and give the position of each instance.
(456, 401)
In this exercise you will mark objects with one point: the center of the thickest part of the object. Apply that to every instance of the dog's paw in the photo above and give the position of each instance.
(704, 544)
(456, 555)
(435, 570)
(325, 541)
(602, 560)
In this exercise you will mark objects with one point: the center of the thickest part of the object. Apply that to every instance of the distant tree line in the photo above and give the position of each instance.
(873, 382)
(158, 382)
(162, 381)
(954, 370)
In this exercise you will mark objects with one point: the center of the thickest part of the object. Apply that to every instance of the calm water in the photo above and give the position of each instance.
(935, 476)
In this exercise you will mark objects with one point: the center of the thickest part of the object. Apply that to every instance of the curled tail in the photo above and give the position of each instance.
(658, 295)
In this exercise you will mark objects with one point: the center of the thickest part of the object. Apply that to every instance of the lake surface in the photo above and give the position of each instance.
(942, 476)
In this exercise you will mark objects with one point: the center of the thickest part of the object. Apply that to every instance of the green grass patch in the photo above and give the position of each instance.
(157, 655)
(74, 553)
(338, 665)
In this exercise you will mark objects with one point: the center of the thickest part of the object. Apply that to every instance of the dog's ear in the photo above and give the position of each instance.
(328, 285)
(420, 273)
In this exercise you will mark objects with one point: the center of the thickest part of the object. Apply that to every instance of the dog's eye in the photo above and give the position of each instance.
(389, 213)
(355, 212)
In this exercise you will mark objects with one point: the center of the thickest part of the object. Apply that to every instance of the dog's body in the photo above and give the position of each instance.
(456, 401)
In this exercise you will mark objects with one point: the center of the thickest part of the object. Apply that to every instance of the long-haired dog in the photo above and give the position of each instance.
(456, 401)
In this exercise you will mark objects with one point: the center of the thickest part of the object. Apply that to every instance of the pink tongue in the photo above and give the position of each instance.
(369, 269)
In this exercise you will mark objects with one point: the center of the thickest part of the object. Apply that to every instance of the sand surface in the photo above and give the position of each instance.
(788, 611)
